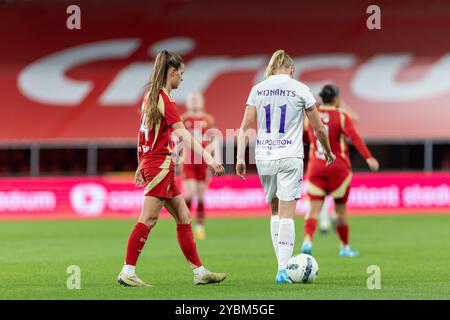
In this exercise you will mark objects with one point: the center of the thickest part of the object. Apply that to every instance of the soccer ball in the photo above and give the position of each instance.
(302, 268)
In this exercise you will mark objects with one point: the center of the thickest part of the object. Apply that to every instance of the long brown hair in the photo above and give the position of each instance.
(164, 60)
(279, 59)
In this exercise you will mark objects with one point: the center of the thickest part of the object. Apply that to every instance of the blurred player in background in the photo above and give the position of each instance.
(277, 105)
(327, 214)
(156, 171)
(333, 180)
(195, 173)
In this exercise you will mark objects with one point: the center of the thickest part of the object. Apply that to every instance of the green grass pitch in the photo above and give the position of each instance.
(413, 253)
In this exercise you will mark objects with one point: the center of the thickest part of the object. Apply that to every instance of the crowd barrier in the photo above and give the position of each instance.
(117, 197)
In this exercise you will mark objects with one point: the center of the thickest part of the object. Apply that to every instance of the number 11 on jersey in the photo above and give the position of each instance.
(282, 118)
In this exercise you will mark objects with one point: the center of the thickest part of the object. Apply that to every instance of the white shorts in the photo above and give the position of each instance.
(282, 178)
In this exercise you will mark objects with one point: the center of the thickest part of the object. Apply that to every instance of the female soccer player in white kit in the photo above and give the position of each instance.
(277, 103)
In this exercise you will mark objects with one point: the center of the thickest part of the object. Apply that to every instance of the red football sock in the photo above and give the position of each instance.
(200, 213)
(136, 242)
(310, 227)
(343, 231)
(187, 244)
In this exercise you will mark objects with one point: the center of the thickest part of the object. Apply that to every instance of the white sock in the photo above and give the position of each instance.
(198, 271)
(129, 269)
(286, 239)
(274, 228)
(199, 227)
(324, 219)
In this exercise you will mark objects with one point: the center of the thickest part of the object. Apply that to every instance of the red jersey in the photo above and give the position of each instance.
(197, 125)
(155, 145)
(339, 126)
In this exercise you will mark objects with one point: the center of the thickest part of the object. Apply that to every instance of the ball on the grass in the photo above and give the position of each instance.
(302, 268)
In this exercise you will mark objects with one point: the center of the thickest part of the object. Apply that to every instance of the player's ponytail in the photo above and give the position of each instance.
(279, 59)
(164, 60)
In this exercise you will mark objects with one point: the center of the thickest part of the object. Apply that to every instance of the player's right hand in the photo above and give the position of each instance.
(240, 170)
(373, 164)
(219, 170)
(139, 179)
(330, 158)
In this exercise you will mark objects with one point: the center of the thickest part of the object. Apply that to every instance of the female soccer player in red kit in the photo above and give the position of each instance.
(195, 170)
(333, 180)
(156, 171)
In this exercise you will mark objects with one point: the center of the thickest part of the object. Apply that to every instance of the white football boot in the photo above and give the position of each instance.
(131, 280)
(208, 277)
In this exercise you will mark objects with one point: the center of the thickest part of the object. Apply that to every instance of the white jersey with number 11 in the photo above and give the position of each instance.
(280, 101)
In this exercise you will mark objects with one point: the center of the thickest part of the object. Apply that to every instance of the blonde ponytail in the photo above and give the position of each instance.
(279, 59)
(164, 60)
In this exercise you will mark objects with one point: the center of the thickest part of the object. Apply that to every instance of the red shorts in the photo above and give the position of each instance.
(160, 183)
(333, 180)
(197, 172)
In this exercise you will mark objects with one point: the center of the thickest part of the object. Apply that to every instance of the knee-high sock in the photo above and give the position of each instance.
(310, 227)
(324, 218)
(343, 232)
(274, 228)
(136, 242)
(286, 239)
(187, 244)
(200, 212)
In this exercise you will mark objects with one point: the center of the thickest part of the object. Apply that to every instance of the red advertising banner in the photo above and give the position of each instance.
(86, 85)
(227, 196)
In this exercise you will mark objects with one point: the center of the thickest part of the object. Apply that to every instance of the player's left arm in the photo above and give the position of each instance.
(180, 154)
(247, 123)
(173, 120)
(305, 129)
(180, 130)
(214, 147)
(351, 132)
(321, 133)
(138, 176)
